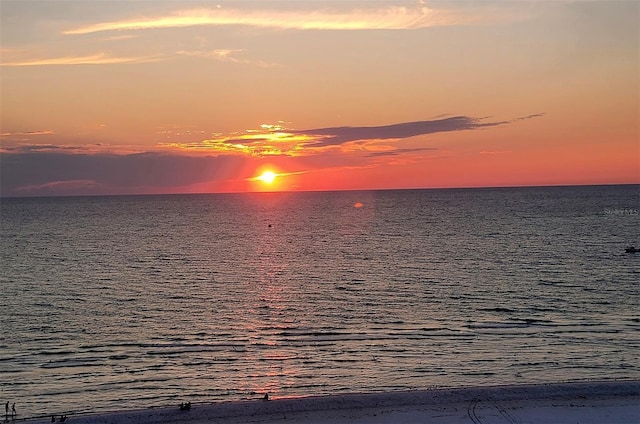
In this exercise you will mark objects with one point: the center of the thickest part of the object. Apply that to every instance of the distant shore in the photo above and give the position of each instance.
(590, 402)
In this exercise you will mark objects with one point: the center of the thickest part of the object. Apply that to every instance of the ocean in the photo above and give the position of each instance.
(121, 302)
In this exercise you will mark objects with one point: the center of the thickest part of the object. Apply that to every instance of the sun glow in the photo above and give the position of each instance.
(267, 177)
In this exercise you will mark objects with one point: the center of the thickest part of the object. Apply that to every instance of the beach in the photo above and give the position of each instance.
(591, 402)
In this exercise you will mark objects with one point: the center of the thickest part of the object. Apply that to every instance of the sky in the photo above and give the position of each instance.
(136, 97)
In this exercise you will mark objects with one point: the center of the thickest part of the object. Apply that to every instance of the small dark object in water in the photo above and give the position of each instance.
(632, 249)
(266, 396)
(185, 406)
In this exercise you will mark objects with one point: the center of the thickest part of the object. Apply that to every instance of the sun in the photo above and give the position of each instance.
(267, 177)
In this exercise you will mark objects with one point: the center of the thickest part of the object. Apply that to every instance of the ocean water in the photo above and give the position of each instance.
(136, 301)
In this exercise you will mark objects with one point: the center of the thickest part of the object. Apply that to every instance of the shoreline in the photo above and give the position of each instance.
(613, 402)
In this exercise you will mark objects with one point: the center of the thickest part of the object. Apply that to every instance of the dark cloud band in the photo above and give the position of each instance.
(340, 135)
(24, 173)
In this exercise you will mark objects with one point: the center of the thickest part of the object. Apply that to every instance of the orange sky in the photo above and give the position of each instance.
(166, 97)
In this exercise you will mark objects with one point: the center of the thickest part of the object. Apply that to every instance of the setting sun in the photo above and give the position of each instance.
(267, 177)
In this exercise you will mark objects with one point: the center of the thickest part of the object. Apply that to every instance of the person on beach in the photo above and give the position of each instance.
(6, 411)
(13, 410)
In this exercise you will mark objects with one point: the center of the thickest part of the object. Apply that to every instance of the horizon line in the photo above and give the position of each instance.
(524, 186)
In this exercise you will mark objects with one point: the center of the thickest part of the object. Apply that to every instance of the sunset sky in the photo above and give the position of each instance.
(119, 97)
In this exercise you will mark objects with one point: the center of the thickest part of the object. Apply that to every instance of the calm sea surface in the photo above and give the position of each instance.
(125, 302)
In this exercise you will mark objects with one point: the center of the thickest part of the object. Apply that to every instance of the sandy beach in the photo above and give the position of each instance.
(601, 402)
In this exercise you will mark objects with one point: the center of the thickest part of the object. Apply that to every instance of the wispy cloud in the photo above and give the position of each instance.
(221, 54)
(494, 152)
(58, 187)
(26, 133)
(95, 59)
(279, 140)
(535, 115)
(11, 137)
(396, 152)
(119, 37)
(224, 55)
(359, 19)
(37, 148)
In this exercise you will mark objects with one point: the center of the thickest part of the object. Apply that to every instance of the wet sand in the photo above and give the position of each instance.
(592, 402)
